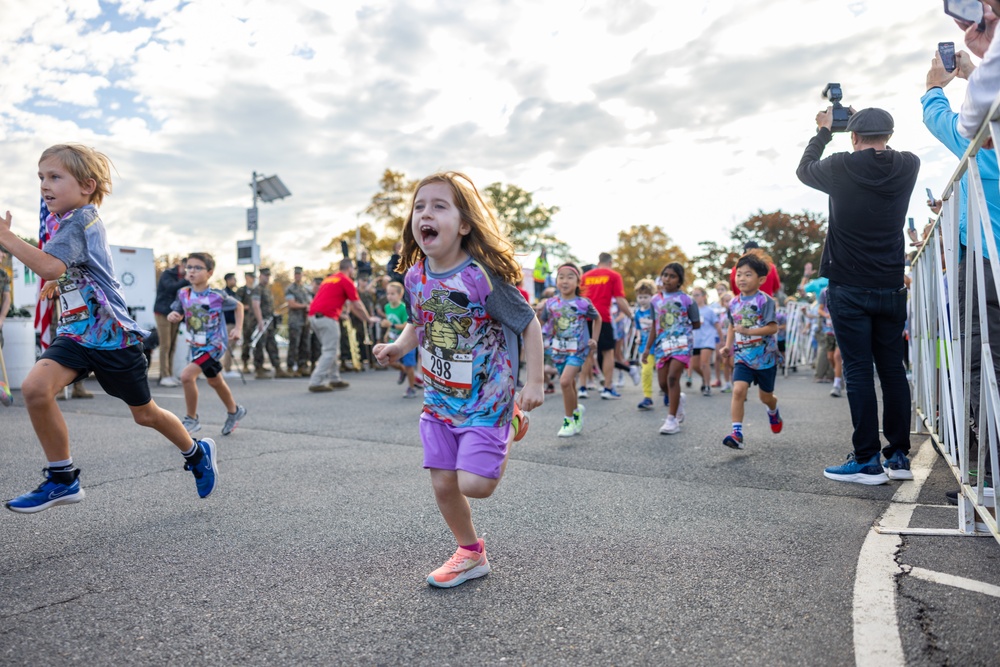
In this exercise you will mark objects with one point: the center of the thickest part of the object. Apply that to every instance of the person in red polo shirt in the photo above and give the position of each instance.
(601, 285)
(324, 317)
(772, 283)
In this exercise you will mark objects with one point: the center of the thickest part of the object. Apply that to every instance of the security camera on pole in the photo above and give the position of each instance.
(266, 189)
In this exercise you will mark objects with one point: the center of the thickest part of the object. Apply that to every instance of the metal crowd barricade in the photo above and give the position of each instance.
(941, 345)
(799, 350)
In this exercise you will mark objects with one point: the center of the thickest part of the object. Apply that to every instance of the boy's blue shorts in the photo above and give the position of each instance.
(571, 360)
(762, 377)
(409, 359)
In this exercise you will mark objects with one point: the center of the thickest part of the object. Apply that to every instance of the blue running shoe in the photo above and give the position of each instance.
(205, 471)
(49, 494)
(897, 466)
(645, 404)
(610, 394)
(869, 472)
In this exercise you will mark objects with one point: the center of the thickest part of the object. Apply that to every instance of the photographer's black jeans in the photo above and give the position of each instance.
(868, 323)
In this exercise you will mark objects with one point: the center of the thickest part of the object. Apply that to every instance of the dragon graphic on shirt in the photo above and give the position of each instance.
(451, 318)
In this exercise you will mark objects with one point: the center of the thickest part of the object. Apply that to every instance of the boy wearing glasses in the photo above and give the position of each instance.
(202, 310)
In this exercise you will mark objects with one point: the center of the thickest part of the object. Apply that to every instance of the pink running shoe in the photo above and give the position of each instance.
(519, 423)
(461, 567)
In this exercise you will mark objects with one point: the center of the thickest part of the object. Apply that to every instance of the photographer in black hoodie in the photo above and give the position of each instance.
(864, 255)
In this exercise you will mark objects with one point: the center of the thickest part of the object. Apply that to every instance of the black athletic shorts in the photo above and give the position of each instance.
(209, 366)
(606, 339)
(121, 373)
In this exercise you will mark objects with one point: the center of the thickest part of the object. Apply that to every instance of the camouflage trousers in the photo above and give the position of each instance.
(267, 342)
(299, 336)
(249, 324)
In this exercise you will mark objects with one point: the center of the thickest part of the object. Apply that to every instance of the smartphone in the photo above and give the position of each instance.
(912, 225)
(947, 51)
(930, 195)
(970, 11)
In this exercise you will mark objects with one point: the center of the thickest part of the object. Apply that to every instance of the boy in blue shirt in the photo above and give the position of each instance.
(95, 333)
(752, 341)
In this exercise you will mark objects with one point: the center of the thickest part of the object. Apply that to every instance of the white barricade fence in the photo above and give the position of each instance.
(799, 350)
(941, 350)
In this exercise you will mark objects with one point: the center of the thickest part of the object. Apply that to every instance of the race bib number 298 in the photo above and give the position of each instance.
(450, 371)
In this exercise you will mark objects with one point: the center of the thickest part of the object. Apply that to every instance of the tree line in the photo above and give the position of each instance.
(791, 239)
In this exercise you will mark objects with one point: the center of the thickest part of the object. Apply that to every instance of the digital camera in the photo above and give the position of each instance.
(841, 114)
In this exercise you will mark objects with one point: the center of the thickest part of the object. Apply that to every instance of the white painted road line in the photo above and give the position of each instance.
(954, 581)
(876, 627)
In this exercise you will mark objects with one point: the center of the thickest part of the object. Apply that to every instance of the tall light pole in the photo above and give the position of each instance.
(266, 189)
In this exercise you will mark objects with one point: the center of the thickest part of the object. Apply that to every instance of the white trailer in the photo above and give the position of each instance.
(135, 270)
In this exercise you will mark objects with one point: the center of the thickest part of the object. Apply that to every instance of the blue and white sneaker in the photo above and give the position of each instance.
(206, 471)
(645, 404)
(869, 472)
(897, 466)
(49, 494)
(610, 394)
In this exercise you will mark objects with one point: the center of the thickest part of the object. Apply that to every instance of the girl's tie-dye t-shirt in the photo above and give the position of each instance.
(467, 326)
(675, 314)
(565, 326)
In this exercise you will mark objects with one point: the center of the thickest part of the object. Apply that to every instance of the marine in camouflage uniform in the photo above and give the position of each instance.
(298, 325)
(244, 294)
(262, 297)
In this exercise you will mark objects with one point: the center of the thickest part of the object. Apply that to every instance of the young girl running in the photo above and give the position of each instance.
(465, 315)
(567, 340)
(706, 340)
(675, 317)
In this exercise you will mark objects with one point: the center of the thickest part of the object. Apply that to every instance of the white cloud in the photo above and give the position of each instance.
(619, 112)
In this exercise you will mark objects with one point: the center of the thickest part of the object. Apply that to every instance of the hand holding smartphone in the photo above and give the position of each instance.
(947, 52)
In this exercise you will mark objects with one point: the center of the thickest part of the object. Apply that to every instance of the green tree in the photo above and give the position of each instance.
(389, 207)
(791, 239)
(528, 223)
(714, 262)
(642, 252)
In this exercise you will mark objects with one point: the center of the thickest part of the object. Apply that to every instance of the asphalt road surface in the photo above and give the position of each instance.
(618, 546)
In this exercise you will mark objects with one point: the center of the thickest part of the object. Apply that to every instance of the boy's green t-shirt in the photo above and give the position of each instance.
(396, 315)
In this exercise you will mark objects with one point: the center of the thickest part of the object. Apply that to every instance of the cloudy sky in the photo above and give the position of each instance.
(690, 115)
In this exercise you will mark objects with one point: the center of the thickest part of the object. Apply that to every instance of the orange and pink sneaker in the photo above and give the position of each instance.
(461, 567)
(519, 423)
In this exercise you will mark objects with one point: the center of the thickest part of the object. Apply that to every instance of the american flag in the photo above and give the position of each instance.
(44, 307)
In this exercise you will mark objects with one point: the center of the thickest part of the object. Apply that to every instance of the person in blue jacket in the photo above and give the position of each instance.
(943, 124)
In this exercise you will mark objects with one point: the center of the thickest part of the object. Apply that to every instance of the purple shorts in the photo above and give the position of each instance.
(664, 361)
(480, 450)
